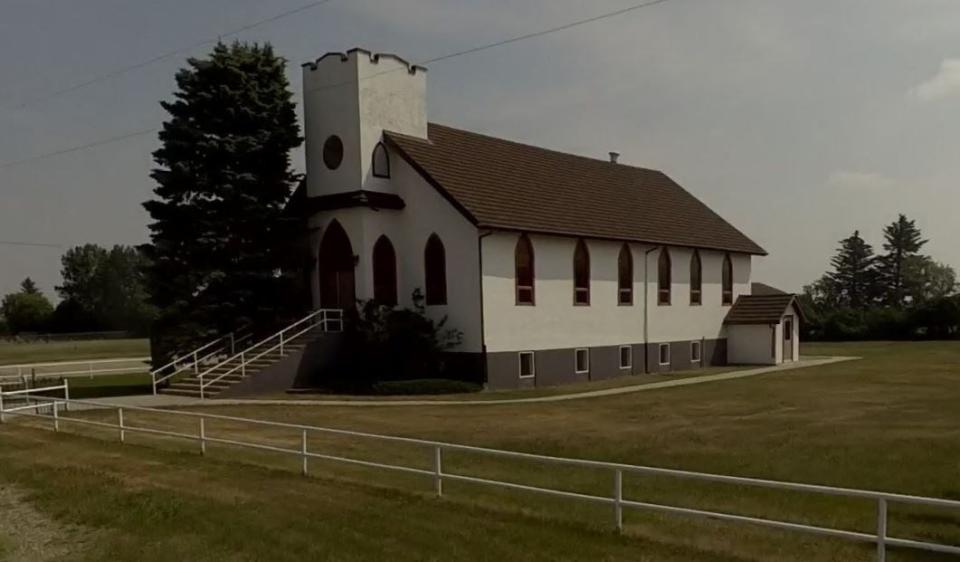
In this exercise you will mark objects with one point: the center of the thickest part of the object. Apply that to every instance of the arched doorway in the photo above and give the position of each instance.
(336, 264)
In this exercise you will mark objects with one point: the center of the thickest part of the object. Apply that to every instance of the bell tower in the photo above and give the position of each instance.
(349, 100)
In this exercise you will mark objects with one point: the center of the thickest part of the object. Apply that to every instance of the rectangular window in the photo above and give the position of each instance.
(582, 360)
(788, 329)
(528, 366)
(581, 296)
(626, 357)
(664, 353)
(695, 352)
(626, 297)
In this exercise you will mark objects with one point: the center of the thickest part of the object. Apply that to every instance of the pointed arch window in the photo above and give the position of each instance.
(727, 280)
(664, 278)
(625, 276)
(581, 274)
(384, 272)
(524, 261)
(381, 161)
(696, 279)
(435, 263)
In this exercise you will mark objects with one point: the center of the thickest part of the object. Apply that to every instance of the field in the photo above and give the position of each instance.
(889, 422)
(40, 352)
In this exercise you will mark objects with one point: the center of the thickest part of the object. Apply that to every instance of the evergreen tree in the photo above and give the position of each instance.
(223, 177)
(852, 283)
(29, 287)
(902, 243)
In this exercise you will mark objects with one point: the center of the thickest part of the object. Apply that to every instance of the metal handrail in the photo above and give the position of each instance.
(617, 500)
(196, 359)
(284, 339)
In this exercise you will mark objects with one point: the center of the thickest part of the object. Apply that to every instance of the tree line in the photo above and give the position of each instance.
(900, 293)
(103, 290)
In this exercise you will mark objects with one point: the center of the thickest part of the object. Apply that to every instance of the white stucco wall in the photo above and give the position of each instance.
(426, 212)
(555, 323)
(751, 345)
(357, 99)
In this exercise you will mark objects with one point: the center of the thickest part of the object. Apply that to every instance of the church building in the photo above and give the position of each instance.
(556, 268)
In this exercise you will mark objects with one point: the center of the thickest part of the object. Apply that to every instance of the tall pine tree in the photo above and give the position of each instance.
(223, 175)
(902, 244)
(852, 283)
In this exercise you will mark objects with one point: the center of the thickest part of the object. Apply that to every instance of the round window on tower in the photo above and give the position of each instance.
(333, 152)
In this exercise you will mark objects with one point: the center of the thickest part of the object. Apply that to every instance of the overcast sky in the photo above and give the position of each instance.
(798, 121)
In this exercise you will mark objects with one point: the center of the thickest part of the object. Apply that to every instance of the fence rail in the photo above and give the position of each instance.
(616, 500)
(65, 369)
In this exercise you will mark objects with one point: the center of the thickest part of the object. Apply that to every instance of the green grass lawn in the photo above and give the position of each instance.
(20, 353)
(889, 422)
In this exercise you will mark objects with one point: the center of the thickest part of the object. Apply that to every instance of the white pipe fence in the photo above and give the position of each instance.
(880, 538)
(91, 369)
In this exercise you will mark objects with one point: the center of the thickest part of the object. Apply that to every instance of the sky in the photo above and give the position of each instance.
(799, 122)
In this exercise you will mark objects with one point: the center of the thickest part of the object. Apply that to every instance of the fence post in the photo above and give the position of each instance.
(56, 418)
(882, 530)
(196, 364)
(243, 364)
(201, 387)
(66, 395)
(438, 470)
(2, 415)
(123, 434)
(153, 375)
(203, 437)
(303, 451)
(618, 498)
(281, 344)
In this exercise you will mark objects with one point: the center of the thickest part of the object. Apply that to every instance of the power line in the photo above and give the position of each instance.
(77, 148)
(524, 37)
(29, 244)
(448, 56)
(127, 69)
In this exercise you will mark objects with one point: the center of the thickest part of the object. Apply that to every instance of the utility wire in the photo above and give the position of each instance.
(517, 39)
(445, 57)
(29, 244)
(127, 69)
(77, 148)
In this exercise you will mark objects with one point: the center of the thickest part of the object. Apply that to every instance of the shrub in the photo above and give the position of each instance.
(424, 387)
(382, 343)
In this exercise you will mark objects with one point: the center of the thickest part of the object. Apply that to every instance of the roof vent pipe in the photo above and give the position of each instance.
(614, 157)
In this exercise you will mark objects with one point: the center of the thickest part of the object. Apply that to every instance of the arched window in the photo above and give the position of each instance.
(384, 272)
(696, 279)
(664, 278)
(435, 263)
(523, 258)
(381, 161)
(727, 280)
(625, 276)
(581, 274)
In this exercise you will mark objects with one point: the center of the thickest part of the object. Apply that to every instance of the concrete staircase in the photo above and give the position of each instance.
(261, 360)
(190, 386)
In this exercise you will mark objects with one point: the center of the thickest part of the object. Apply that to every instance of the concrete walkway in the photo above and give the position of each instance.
(164, 401)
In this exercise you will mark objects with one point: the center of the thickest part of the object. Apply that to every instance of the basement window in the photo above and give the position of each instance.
(528, 366)
(664, 354)
(696, 352)
(582, 360)
(626, 356)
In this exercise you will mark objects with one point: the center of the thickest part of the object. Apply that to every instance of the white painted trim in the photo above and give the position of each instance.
(575, 353)
(660, 354)
(620, 357)
(533, 364)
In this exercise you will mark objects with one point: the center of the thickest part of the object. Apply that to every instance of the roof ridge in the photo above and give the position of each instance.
(544, 149)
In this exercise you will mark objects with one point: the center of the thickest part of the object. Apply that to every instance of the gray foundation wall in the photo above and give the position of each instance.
(557, 366)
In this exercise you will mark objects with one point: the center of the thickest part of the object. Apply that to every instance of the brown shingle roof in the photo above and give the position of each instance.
(502, 184)
(760, 309)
